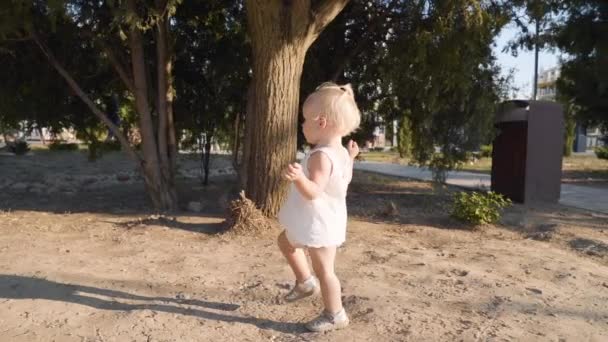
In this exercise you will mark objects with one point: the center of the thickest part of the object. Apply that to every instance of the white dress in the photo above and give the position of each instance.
(320, 222)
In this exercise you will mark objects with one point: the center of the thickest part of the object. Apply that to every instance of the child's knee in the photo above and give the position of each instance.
(283, 243)
(324, 272)
(327, 276)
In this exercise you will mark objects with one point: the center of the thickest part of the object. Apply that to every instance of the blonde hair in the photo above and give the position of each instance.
(337, 104)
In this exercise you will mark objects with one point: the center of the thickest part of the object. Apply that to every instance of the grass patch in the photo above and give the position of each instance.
(576, 167)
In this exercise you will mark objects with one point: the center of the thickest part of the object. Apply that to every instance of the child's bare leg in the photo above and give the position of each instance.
(295, 257)
(323, 264)
(334, 316)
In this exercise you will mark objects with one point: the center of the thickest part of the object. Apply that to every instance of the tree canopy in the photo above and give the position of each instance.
(186, 69)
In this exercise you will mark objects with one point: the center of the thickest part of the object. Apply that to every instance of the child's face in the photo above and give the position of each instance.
(314, 125)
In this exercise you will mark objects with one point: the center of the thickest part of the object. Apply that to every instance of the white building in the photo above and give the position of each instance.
(591, 137)
(546, 87)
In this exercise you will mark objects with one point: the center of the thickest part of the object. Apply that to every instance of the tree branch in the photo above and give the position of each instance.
(115, 60)
(85, 98)
(119, 68)
(361, 44)
(324, 13)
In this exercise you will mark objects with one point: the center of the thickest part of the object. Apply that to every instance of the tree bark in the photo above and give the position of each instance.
(273, 133)
(236, 144)
(164, 46)
(249, 113)
(41, 133)
(207, 155)
(281, 32)
(119, 68)
(158, 189)
(164, 94)
(172, 139)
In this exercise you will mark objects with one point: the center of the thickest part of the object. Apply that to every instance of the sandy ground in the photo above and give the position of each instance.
(96, 265)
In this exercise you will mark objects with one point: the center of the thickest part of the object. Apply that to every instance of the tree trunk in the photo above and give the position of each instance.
(164, 94)
(281, 32)
(162, 196)
(249, 112)
(207, 156)
(41, 133)
(274, 130)
(171, 139)
(236, 145)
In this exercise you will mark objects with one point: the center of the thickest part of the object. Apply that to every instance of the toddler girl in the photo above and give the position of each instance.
(314, 215)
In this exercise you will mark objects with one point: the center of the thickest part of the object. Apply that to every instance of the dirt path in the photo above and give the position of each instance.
(409, 275)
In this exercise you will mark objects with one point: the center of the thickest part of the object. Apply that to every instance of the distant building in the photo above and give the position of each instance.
(595, 138)
(381, 130)
(547, 84)
(586, 138)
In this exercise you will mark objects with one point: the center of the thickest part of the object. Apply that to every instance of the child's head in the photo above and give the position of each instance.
(330, 110)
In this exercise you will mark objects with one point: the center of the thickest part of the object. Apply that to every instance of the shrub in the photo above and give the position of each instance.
(18, 147)
(486, 151)
(478, 208)
(109, 146)
(602, 152)
(94, 151)
(98, 148)
(62, 146)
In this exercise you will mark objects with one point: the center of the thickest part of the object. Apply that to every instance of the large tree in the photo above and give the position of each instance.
(436, 75)
(281, 33)
(442, 74)
(352, 50)
(124, 34)
(211, 73)
(584, 73)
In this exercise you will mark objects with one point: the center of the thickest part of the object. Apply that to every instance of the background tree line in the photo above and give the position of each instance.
(236, 72)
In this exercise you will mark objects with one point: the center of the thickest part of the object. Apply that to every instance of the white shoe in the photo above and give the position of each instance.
(299, 291)
(328, 322)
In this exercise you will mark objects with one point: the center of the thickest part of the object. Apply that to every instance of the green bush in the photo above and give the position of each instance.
(94, 151)
(108, 146)
(486, 151)
(18, 147)
(478, 208)
(98, 148)
(602, 152)
(62, 146)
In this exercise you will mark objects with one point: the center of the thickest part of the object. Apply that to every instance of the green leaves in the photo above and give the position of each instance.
(478, 208)
(601, 152)
(584, 73)
(441, 69)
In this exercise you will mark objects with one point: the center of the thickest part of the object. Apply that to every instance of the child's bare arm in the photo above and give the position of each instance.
(353, 151)
(319, 169)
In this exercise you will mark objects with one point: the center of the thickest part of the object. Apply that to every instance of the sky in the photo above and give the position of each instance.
(523, 63)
